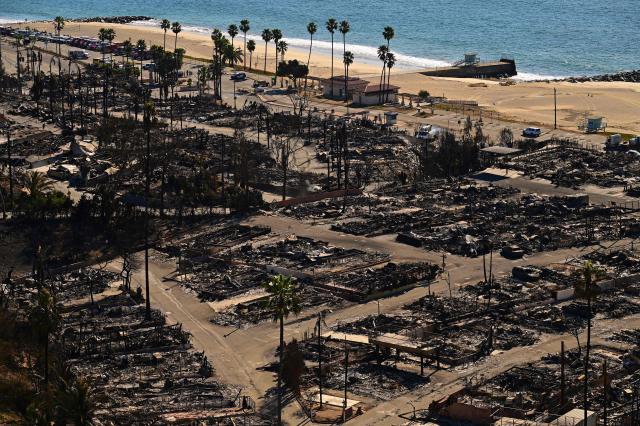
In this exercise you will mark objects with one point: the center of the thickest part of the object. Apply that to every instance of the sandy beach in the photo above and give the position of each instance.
(527, 102)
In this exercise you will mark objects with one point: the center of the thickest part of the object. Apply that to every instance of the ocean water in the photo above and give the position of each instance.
(547, 38)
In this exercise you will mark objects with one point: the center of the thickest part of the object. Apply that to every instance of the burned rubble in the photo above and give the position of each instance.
(574, 167)
(144, 369)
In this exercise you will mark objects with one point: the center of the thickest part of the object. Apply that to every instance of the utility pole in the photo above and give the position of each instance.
(606, 390)
(562, 379)
(320, 356)
(346, 370)
(555, 108)
(10, 170)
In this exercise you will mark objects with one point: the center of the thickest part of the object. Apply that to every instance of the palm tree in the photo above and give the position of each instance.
(332, 26)
(233, 32)
(165, 25)
(36, 184)
(44, 320)
(277, 36)
(244, 27)
(281, 48)
(267, 36)
(58, 25)
(283, 300)
(388, 33)
(344, 29)
(348, 60)
(111, 35)
(75, 399)
(106, 34)
(231, 55)
(382, 55)
(251, 47)
(102, 36)
(127, 49)
(141, 46)
(177, 29)
(312, 28)
(391, 61)
(584, 289)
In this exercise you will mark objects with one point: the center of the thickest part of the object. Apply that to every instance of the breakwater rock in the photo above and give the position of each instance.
(116, 19)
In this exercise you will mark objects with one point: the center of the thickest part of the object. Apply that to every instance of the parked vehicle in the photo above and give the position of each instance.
(531, 132)
(78, 54)
(238, 76)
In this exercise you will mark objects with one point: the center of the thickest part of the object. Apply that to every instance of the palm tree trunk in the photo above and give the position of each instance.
(164, 42)
(388, 83)
(346, 69)
(280, 371)
(276, 62)
(250, 59)
(266, 46)
(586, 358)
(244, 52)
(384, 67)
(308, 63)
(331, 64)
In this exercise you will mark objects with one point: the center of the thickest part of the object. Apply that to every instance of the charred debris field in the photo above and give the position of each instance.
(168, 258)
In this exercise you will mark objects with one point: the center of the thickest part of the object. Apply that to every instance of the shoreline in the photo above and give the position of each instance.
(524, 102)
(365, 56)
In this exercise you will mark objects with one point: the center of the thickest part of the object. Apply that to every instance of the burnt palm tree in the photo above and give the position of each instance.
(267, 36)
(312, 28)
(251, 47)
(283, 301)
(176, 28)
(585, 289)
(75, 400)
(277, 36)
(165, 25)
(244, 27)
(332, 26)
(44, 320)
(232, 30)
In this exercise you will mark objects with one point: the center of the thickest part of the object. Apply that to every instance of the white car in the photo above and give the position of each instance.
(424, 132)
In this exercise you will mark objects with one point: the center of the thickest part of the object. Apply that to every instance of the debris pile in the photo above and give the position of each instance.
(143, 370)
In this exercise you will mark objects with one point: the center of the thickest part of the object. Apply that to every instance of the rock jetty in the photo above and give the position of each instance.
(116, 19)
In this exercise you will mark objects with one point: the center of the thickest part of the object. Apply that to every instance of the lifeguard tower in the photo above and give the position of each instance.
(592, 124)
(471, 58)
